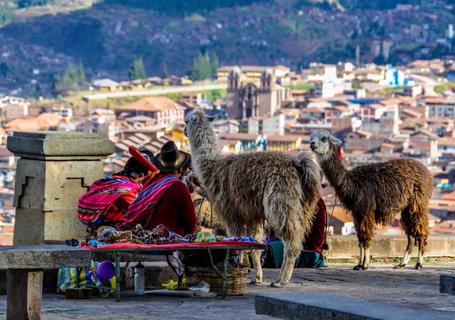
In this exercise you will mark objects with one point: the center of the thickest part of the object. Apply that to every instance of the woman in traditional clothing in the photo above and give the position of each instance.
(165, 199)
(108, 199)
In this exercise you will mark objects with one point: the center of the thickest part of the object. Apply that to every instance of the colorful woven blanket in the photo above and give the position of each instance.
(93, 205)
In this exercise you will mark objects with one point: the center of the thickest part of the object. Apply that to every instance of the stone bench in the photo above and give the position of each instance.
(309, 306)
(24, 265)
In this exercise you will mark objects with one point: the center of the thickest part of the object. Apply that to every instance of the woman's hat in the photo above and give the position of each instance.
(143, 158)
(171, 158)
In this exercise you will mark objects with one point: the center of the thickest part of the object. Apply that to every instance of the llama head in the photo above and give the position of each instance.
(324, 144)
(197, 126)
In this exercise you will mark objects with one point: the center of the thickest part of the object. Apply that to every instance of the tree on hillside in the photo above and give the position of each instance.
(204, 67)
(201, 69)
(214, 64)
(32, 3)
(380, 59)
(137, 70)
(80, 76)
(72, 80)
(4, 69)
(6, 14)
(165, 71)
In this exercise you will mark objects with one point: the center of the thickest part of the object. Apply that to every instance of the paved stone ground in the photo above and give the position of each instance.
(406, 287)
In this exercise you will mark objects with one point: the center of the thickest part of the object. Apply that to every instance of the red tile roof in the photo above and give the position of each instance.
(152, 104)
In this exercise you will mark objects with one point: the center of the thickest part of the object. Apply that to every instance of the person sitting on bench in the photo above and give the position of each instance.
(108, 199)
(165, 199)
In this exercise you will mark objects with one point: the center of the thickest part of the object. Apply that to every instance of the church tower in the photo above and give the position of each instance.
(234, 103)
(234, 79)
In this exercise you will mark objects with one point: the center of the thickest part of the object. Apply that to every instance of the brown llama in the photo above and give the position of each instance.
(377, 192)
(248, 189)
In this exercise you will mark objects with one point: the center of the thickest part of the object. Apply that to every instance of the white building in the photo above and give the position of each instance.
(274, 125)
(14, 107)
(382, 118)
(322, 72)
(267, 125)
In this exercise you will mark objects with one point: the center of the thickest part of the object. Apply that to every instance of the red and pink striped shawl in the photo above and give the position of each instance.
(92, 205)
(140, 211)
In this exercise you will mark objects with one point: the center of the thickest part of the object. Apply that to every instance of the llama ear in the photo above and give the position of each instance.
(193, 118)
(210, 118)
(335, 140)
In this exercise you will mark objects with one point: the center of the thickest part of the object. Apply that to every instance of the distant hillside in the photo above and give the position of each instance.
(181, 7)
(169, 34)
(14, 10)
(361, 4)
(184, 6)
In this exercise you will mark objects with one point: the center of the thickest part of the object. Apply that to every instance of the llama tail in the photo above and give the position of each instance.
(310, 172)
(310, 180)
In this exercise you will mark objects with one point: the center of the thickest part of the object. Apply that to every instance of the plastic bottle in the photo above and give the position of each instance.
(139, 279)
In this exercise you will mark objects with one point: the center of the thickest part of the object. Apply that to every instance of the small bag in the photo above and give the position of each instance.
(67, 278)
(273, 255)
(306, 259)
(73, 277)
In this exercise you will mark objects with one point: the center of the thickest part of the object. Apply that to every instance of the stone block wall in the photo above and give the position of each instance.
(346, 247)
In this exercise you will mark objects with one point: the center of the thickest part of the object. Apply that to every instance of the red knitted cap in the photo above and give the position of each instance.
(139, 156)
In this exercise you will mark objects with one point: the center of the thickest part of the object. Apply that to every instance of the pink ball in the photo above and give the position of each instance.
(105, 271)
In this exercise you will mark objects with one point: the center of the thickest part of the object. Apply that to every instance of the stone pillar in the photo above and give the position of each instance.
(54, 169)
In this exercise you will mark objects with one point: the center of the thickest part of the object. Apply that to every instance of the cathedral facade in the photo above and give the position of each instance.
(256, 99)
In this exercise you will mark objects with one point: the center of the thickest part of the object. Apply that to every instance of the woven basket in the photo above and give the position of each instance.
(235, 284)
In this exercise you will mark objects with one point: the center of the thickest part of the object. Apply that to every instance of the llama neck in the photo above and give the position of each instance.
(204, 152)
(336, 173)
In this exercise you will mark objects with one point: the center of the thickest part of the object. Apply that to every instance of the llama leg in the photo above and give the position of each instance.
(407, 255)
(419, 264)
(414, 220)
(290, 255)
(365, 231)
(243, 258)
(257, 266)
(407, 223)
(284, 213)
(421, 244)
(422, 236)
(358, 228)
(361, 257)
(366, 251)
(366, 258)
(259, 236)
(277, 282)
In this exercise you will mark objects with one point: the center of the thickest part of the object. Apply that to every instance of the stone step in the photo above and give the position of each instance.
(335, 307)
(447, 283)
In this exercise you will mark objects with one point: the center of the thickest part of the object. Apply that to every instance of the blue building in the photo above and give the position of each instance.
(395, 78)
